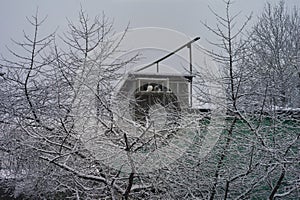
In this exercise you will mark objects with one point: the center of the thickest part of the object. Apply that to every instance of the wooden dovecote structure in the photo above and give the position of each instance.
(173, 91)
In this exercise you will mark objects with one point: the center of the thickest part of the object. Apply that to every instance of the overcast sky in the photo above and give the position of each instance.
(181, 15)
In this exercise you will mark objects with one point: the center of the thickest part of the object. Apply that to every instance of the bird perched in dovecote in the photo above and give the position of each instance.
(149, 88)
(157, 88)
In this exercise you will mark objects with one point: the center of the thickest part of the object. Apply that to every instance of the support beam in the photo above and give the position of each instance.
(168, 55)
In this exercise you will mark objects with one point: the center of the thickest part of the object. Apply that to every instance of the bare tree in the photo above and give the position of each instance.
(233, 77)
(273, 59)
(39, 92)
(25, 86)
(275, 53)
(245, 161)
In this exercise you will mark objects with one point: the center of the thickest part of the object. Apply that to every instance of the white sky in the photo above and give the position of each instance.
(181, 15)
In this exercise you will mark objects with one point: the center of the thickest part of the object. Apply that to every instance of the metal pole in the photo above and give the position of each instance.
(191, 74)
